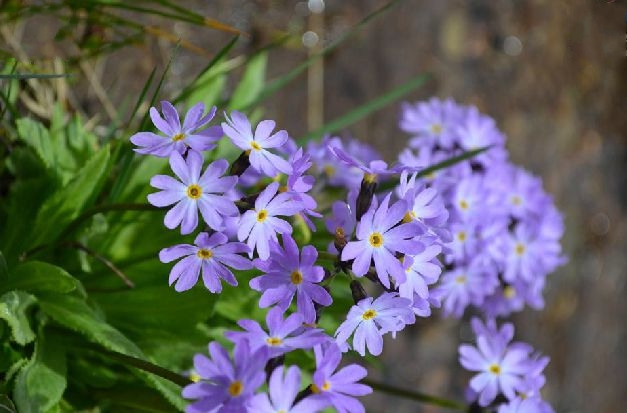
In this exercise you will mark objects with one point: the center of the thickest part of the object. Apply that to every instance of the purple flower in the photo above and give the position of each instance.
(432, 123)
(379, 238)
(527, 405)
(422, 269)
(259, 226)
(465, 285)
(194, 192)
(283, 335)
(478, 131)
(239, 130)
(369, 320)
(501, 366)
(288, 275)
(338, 388)
(178, 138)
(283, 392)
(225, 385)
(211, 255)
(371, 171)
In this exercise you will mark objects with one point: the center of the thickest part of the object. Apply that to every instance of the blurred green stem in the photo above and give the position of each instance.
(421, 397)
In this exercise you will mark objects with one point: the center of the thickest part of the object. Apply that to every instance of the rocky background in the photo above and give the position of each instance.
(552, 73)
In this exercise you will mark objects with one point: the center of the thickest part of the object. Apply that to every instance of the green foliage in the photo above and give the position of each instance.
(13, 307)
(81, 288)
(40, 384)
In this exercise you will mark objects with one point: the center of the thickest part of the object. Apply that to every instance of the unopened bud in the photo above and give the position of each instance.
(240, 165)
(358, 292)
(366, 193)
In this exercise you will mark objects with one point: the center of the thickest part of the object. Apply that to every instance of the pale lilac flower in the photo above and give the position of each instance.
(369, 319)
(178, 138)
(422, 270)
(465, 285)
(283, 335)
(259, 226)
(372, 170)
(194, 192)
(211, 255)
(500, 366)
(289, 273)
(379, 238)
(239, 130)
(282, 393)
(338, 388)
(479, 131)
(226, 386)
(432, 123)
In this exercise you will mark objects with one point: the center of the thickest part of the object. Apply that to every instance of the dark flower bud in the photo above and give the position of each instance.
(358, 292)
(366, 193)
(240, 165)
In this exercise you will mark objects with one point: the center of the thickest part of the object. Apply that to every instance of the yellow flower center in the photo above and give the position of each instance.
(494, 369)
(461, 236)
(516, 200)
(262, 215)
(204, 254)
(436, 129)
(178, 137)
(296, 277)
(316, 390)
(329, 170)
(235, 388)
(194, 191)
(274, 341)
(195, 377)
(255, 146)
(370, 178)
(520, 249)
(463, 204)
(339, 232)
(376, 239)
(460, 279)
(409, 216)
(369, 314)
(509, 292)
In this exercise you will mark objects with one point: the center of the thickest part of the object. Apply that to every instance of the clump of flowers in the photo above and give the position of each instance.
(408, 238)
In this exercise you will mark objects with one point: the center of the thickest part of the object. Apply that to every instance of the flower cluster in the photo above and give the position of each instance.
(511, 370)
(505, 229)
(481, 232)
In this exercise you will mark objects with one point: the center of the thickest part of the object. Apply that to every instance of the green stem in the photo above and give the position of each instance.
(421, 397)
(149, 367)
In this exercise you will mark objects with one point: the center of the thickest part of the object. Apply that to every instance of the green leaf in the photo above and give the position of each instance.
(39, 386)
(74, 313)
(37, 276)
(13, 308)
(6, 405)
(250, 86)
(37, 136)
(67, 203)
(205, 77)
(158, 307)
(368, 108)
(4, 270)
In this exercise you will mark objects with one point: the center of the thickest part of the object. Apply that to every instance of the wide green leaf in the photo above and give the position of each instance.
(40, 384)
(67, 203)
(250, 86)
(13, 308)
(75, 314)
(4, 270)
(6, 405)
(37, 276)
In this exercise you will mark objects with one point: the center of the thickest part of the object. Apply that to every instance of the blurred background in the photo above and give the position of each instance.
(552, 73)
